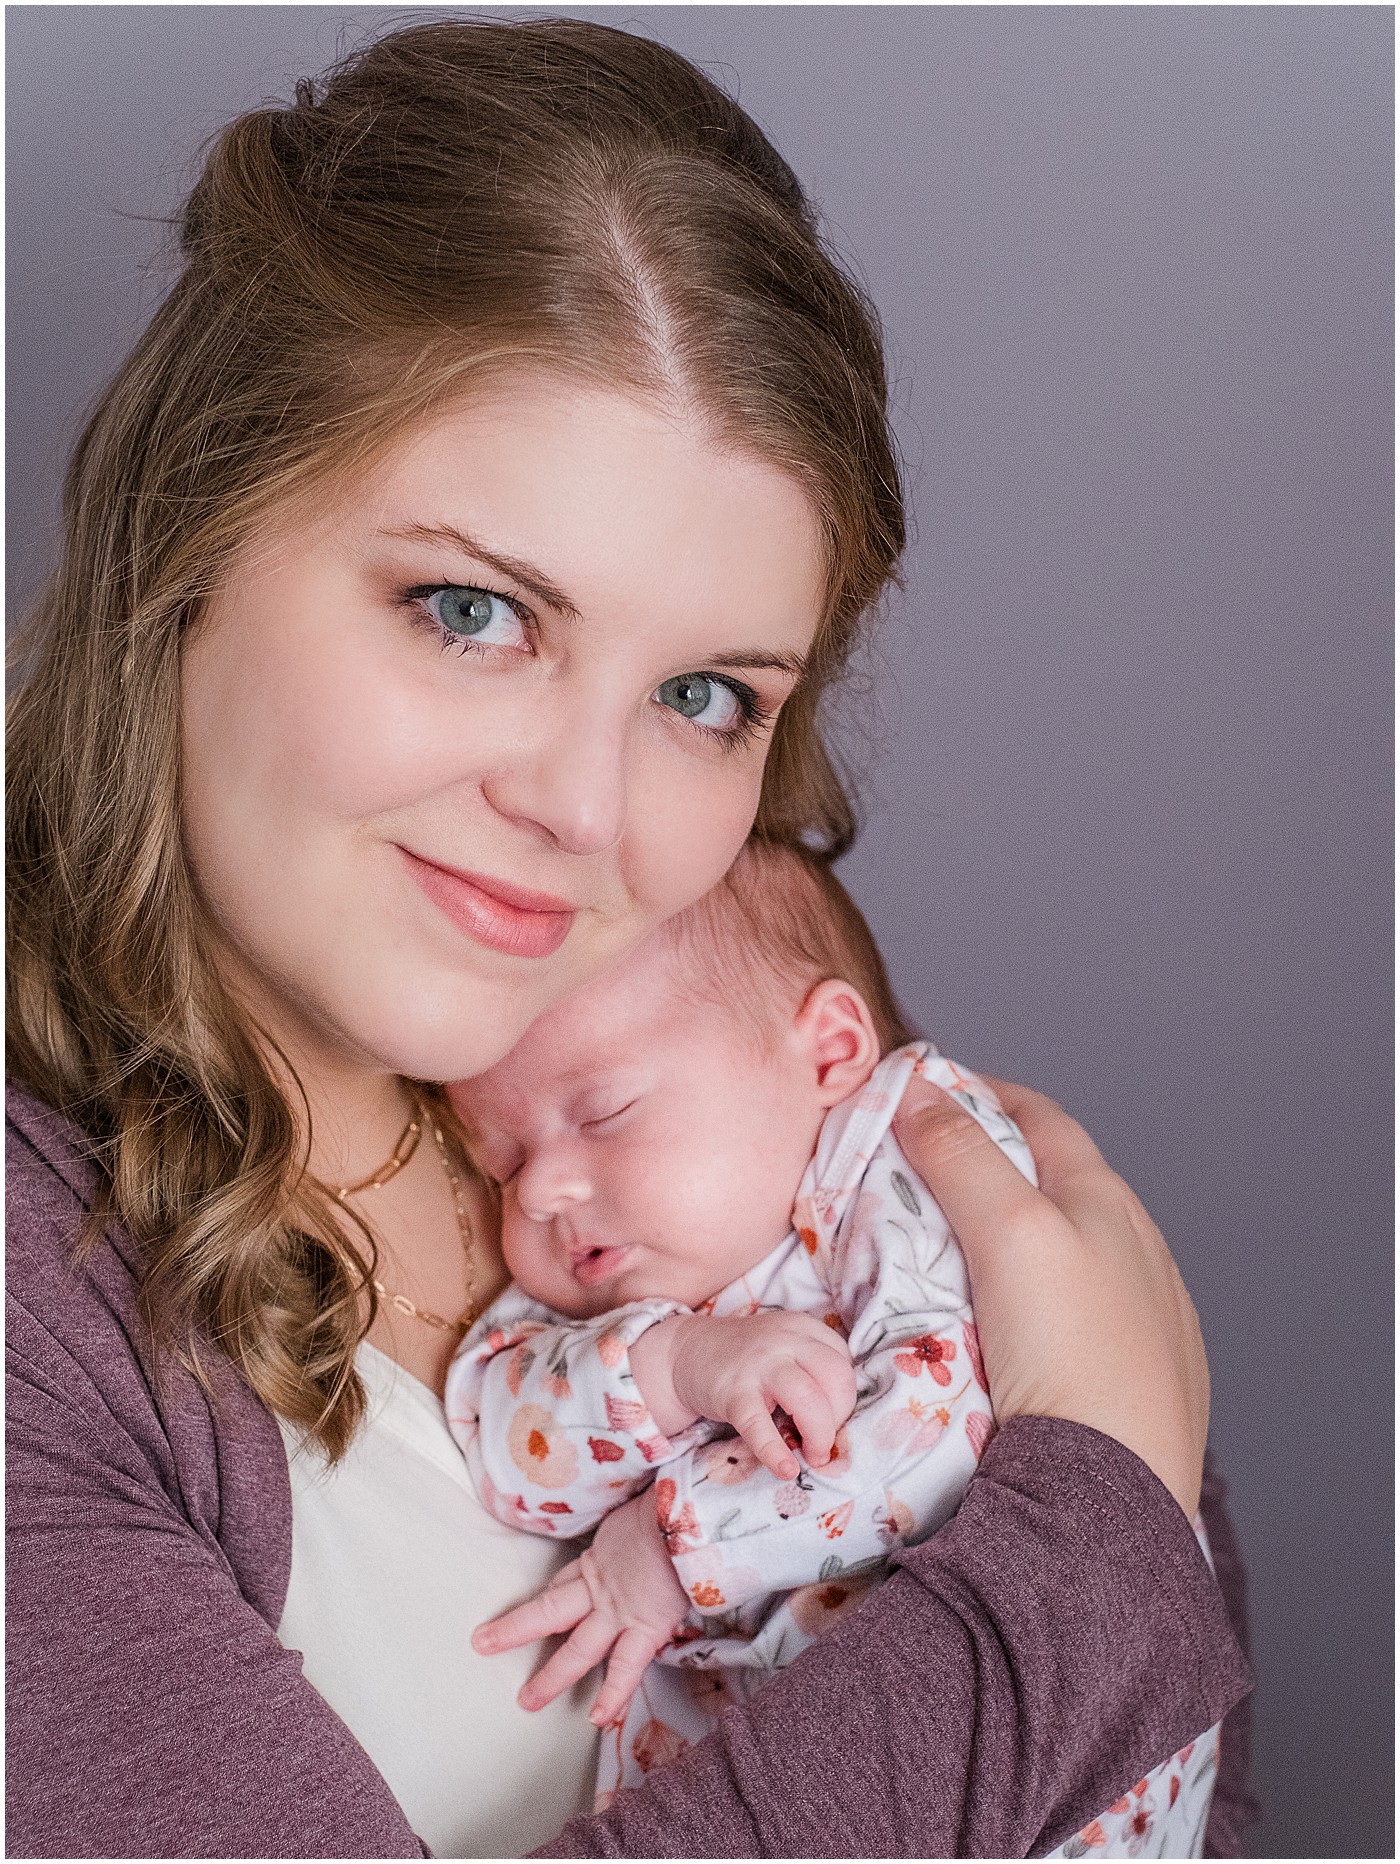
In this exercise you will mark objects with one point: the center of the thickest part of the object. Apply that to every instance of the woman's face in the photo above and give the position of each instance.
(452, 747)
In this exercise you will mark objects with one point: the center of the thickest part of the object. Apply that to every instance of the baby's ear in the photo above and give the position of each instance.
(837, 1029)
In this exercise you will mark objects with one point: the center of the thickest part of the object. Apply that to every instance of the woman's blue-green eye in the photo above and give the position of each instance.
(707, 702)
(474, 614)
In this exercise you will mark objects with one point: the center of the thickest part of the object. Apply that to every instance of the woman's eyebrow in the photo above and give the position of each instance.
(540, 586)
(795, 664)
(510, 567)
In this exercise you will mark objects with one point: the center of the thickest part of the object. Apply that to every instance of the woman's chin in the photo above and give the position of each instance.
(451, 1035)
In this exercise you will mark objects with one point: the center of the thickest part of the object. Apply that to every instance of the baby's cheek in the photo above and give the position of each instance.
(713, 1213)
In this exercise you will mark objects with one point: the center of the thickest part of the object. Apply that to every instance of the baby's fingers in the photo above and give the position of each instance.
(575, 1657)
(632, 1653)
(754, 1423)
(557, 1608)
(794, 1388)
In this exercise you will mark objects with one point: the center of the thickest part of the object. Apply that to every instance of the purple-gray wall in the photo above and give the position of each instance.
(1129, 772)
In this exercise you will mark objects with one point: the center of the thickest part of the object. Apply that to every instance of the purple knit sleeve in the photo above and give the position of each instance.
(1234, 1809)
(1061, 1635)
(150, 1709)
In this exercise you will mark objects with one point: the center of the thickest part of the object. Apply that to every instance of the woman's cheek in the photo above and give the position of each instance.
(688, 825)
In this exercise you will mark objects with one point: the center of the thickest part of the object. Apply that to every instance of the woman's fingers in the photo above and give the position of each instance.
(1080, 1309)
(1059, 1144)
(556, 1609)
(979, 1189)
(575, 1657)
(632, 1653)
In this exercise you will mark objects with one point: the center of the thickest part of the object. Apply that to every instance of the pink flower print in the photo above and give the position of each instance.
(927, 1353)
(555, 1508)
(604, 1450)
(1176, 1788)
(1092, 1836)
(654, 1449)
(680, 1530)
(913, 1427)
(611, 1347)
(979, 1428)
(972, 1346)
(804, 1221)
(816, 1608)
(624, 1413)
(540, 1448)
(727, 1461)
(656, 1745)
(712, 1585)
(894, 1521)
(834, 1522)
(557, 1385)
(1186, 1752)
(1122, 1805)
(792, 1498)
(517, 1366)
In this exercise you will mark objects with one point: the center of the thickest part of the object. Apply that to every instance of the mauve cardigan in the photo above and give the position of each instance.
(1061, 1635)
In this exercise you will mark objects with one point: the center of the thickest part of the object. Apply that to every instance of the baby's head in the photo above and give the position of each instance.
(651, 1131)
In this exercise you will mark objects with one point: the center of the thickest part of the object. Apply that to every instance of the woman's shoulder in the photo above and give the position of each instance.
(51, 1176)
(82, 1376)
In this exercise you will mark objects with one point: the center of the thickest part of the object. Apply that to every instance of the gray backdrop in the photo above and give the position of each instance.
(1129, 762)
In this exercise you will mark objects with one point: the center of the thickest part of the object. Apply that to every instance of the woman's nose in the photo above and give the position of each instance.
(545, 1187)
(569, 780)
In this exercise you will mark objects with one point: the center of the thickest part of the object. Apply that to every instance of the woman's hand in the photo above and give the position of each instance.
(620, 1595)
(1081, 1311)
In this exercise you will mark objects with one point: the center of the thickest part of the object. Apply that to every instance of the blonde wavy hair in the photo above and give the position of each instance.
(451, 201)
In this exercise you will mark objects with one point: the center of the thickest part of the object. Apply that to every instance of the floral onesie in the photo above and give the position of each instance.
(556, 1435)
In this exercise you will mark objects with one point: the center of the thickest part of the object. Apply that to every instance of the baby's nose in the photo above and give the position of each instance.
(544, 1190)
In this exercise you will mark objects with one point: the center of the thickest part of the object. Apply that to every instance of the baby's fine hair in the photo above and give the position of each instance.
(778, 924)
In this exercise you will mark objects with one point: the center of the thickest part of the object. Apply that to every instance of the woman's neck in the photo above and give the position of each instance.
(358, 1111)
(358, 1107)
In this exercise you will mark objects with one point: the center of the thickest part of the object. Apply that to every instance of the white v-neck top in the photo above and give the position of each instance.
(394, 1564)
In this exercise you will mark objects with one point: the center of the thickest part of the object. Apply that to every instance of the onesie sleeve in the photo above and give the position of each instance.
(548, 1415)
(922, 1417)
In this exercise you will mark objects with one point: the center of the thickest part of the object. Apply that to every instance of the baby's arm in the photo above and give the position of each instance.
(549, 1416)
(619, 1600)
(921, 1419)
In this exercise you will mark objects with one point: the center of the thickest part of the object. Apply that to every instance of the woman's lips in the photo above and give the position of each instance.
(495, 913)
(600, 1264)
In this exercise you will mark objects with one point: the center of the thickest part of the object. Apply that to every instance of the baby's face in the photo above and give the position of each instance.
(643, 1145)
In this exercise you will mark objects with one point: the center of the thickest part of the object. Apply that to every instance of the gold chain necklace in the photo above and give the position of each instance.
(403, 1151)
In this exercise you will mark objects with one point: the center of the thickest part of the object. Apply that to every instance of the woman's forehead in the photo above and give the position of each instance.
(607, 497)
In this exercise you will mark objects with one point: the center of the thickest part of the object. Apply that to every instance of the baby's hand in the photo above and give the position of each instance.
(737, 1368)
(620, 1595)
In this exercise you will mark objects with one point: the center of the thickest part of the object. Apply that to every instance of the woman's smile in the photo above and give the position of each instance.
(529, 925)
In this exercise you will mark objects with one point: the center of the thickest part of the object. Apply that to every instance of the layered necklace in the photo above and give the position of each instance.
(403, 1151)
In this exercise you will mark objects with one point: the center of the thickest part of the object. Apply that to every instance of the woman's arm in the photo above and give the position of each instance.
(151, 1710)
(1056, 1639)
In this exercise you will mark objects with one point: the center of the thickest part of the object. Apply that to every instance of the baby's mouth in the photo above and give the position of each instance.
(597, 1262)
